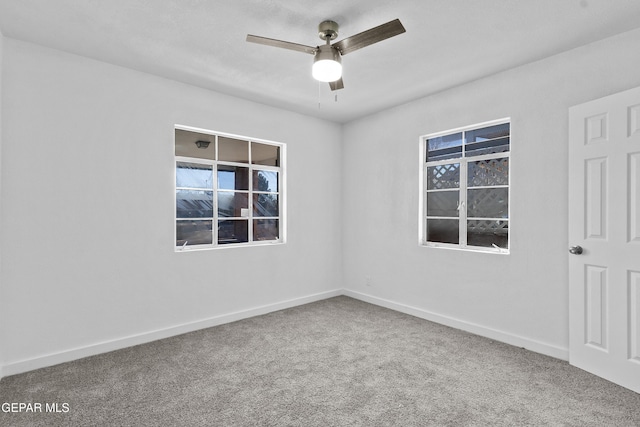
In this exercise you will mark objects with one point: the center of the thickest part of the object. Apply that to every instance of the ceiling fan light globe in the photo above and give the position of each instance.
(326, 70)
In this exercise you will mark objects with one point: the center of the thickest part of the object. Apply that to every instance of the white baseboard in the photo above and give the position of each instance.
(103, 347)
(515, 340)
(117, 344)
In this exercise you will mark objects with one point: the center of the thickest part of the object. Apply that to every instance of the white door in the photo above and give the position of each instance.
(604, 223)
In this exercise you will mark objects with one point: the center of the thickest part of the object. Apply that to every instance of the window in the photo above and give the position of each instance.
(465, 188)
(229, 190)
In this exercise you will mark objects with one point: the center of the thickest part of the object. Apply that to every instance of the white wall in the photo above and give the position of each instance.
(88, 261)
(521, 298)
(86, 251)
(2, 321)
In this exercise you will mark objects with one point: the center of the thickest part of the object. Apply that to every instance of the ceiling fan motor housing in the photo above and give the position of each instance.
(326, 52)
(328, 30)
(327, 64)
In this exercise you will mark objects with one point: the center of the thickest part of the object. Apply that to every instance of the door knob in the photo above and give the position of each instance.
(575, 250)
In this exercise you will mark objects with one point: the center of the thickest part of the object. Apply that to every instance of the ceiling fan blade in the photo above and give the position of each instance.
(374, 35)
(279, 43)
(338, 84)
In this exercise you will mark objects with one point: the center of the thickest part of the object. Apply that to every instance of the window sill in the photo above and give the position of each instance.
(479, 249)
(228, 246)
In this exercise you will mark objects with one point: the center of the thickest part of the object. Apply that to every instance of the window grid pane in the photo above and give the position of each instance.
(265, 205)
(480, 209)
(265, 181)
(194, 204)
(266, 229)
(444, 147)
(487, 147)
(488, 203)
(443, 203)
(233, 177)
(443, 176)
(194, 232)
(490, 172)
(233, 150)
(443, 230)
(233, 204)
(487, 233)
(222, 203)
(192, 175)
(233, 231)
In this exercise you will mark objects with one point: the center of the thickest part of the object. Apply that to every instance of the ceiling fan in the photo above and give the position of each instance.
(327, 62)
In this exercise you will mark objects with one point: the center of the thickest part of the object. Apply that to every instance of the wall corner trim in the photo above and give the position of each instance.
(507, 338)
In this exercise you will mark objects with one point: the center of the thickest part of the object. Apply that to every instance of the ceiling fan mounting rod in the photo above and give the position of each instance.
(328, 30)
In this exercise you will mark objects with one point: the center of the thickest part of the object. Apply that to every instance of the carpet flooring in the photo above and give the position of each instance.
(337, 362)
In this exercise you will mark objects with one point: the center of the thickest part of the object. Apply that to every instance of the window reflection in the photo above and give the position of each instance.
(193, 175)
(265, 154)
(443, 176)
(487, 233)
(265, 204)
(233, 177)
(194, 233)
(265, 229)
(227, 190)
(444, 147)
(265, 181)
(232, 204)
(443, 203)
(443, 230)
(194, 204)
(233, 150)
(488, 203)
(186, 144)
(233, 231)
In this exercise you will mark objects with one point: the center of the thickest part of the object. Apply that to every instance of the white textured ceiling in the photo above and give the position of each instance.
(202, 42)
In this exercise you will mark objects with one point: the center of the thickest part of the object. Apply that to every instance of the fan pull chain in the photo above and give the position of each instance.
(318, 95)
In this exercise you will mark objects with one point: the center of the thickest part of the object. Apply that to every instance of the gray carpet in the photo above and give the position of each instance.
(338, 362)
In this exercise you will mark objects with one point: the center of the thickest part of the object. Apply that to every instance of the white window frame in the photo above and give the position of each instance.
(282, 185)
(463, 161)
